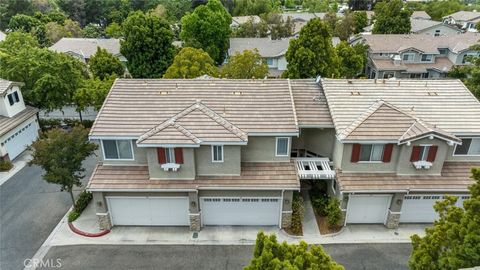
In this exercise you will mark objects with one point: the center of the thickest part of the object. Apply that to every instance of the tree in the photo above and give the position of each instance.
(60, 154)
(73, 28)
(245, 65)
(438, 9)
(317, 6)
(352, 62)
(25, 23)
(391, 18)
(454, 240)
(360, 4)
(55, 32)
(92, 93)
(312, 54)
(208, 28)
(360, 19)
(16, 41)
(147, 45)
(93, 31)
(277, 27)
(345, 27)
(191, 63)
(254, 7)
(104, 64)
(269, 254)
(176, 9)
(10, 8)
(75, 9)
(469, 74)
(114, 30)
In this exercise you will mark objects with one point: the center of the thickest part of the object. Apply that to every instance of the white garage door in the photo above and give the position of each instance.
(419, 208)
(18, 142)
(240, 211)
(368, 208)
(149, 211)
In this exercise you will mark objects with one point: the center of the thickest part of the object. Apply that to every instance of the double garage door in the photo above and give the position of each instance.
(418, 208)
(23, 137)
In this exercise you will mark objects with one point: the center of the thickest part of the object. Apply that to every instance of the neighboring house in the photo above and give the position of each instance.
(2, 36)
(420, 15)
(208, 152)
(417, 56)
(432, 28)
(300, 19)
(465, 20)
(272, 50)
(84, 48)
(239, 20)
(18, 123)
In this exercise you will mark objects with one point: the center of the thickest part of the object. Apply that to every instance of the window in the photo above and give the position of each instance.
(388, 74)
(117, 149)
(13, 98)
(282, 146)
(270, 62)
(217, 153)
(442, 51)
(427, 57)
(371, 152)
(408, 56)
(469, 147)
(424, 152)
(169, 155)
(16, 97)
(437, 33)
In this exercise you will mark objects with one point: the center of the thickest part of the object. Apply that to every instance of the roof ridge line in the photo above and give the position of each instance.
(362, 118)
(186, 132)
(222, 121)
(293, 103)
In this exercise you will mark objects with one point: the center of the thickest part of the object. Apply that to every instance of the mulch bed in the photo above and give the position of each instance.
(323, 226)
(289, 231)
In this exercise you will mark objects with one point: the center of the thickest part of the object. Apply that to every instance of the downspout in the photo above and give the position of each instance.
(281, 210)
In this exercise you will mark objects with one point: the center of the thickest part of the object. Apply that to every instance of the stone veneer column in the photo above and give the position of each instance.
(394, 212)
(194, 212)
(195, 221)
(104, 221)
(286, 219)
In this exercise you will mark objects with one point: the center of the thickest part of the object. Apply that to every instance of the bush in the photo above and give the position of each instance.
(75, 122)
(297, 214)
(334, 213)
(47, 124)
(5, 165)
(319, 204)
(82, 201)
(73, 215)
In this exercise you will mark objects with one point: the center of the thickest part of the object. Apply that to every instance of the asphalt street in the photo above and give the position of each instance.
(351, 256)
(30, 208)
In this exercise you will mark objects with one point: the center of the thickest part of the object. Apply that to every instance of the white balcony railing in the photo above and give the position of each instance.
(314, 168)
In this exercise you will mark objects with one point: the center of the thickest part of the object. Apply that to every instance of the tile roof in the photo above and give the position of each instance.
(265, 46)
(244, 19)
(420, 14)
(425, 43)
(9, 123)
(87, 46)
(463, 15)
(194, 125)
(310, 104)
(134, 106)
(445, 104)
(455, 176)
(273, 175)
(441, 64)
(2, 36)
(383, 121)
(422, 24)
(4, 85)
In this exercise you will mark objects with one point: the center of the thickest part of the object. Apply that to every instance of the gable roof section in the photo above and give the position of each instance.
(444, 104)
(463, 15)
(6, 84)
(135, 106)
(422, 24)
(385, 122)
(266, 47)
(420, 14)
(310, 104)
(194, 125)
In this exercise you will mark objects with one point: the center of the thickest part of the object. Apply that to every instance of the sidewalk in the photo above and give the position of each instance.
(219, 235)
(18, 164)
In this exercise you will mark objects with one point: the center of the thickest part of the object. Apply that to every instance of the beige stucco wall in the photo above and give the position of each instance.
(320, 141)
(231, 164)
(404, 165)
(139, 155)
(186, 170)
(348, 166)
(262, 149)
(337, 155)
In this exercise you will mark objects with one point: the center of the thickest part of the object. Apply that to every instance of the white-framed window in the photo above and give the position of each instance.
(469, 147)
(371, 152)
(437, 32)
(424, 149)
(217, 153)
(117, 149)
(409, 57)
(281, 148)
(270, 62)
(169, 155)
(427, 57)
(388, 74)
(13, 98)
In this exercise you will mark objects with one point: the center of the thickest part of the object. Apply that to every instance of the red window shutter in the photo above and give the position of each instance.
(179, 155)
(161, 155)
(387, 152)
(415, 153)
(355, 153)
(432, 153)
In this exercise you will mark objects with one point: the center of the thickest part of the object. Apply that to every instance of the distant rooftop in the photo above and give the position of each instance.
(265, 46)
(464, 15)
(420, 15)
(87, 47)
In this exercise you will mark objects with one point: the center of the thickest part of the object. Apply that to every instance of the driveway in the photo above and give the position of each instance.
(30, 208)
(352, 256)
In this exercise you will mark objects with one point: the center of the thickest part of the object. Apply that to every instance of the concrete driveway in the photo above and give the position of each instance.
(30, 208)
(352, 256)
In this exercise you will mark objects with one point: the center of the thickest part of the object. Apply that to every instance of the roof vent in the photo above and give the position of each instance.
(237, 93)
(349, 81)
(355, 93)
(163, 92)
(432, 93)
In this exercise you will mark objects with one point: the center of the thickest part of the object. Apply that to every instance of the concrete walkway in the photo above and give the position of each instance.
(309, 225)
(18, 163)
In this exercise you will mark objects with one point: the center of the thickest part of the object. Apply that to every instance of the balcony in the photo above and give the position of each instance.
(314, 168)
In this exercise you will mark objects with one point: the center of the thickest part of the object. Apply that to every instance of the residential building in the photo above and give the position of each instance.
(417, 56)
(18, 123)
(2, 36)
(239, 20)
(273, 51)
(207, 152)
(85, 48)
(420, 15)
(432, 28)
(465, 20)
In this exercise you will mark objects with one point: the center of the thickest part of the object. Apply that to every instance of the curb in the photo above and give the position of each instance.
(86, 234)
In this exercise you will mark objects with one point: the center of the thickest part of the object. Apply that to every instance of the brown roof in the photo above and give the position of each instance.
(454, 176)
(9, 123)
(134, 106)
(310, 104)
(441, 64)
(261, 175)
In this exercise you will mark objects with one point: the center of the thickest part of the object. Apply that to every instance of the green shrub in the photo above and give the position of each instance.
(82, 201)
(73, 215)
(75, 122)
(297, 214)
(334, 213)
(319, 204)
(5, 165)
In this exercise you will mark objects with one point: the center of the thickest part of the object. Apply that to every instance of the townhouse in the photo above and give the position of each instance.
(417, 56)
(84, 48)
(465, 20)
(208, 152)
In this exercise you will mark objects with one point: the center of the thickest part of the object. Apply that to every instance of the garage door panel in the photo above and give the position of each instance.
(240, 211)
(418, 208)
(170, 212)
(368, 209)
(131, 211)
(18, 142)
